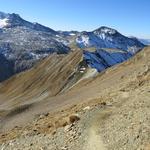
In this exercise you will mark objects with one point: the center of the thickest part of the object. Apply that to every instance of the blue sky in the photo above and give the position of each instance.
(130, 17)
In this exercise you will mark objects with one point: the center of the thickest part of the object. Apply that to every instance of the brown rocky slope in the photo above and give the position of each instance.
(113, 108)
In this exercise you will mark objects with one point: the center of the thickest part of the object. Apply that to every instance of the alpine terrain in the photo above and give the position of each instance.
(23, 43)
(71, 90)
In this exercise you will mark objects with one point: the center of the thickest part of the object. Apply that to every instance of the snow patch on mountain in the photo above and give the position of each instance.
(83, 41)
(37, 56)
(105, 37)
(72, 34)
(102, 59)
(3, 22)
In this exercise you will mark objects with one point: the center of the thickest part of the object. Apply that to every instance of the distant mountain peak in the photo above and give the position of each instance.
(15, 20)
(9, 20)
(145, 41)
(8, 15)
(106, 30)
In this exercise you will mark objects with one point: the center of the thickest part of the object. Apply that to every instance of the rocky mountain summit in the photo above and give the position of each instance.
(105, 37)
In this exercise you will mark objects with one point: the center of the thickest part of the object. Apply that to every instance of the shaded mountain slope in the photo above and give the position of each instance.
(102, 59)
(5, 68)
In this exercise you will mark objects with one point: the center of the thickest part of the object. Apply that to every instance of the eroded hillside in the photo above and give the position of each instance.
(113, 110)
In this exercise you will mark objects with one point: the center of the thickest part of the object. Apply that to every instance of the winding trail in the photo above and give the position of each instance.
(94, 141)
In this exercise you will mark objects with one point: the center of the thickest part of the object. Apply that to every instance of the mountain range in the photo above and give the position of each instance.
(145, 41)
(23, 44)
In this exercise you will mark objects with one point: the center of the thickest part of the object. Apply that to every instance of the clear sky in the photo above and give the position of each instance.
(130, 17)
